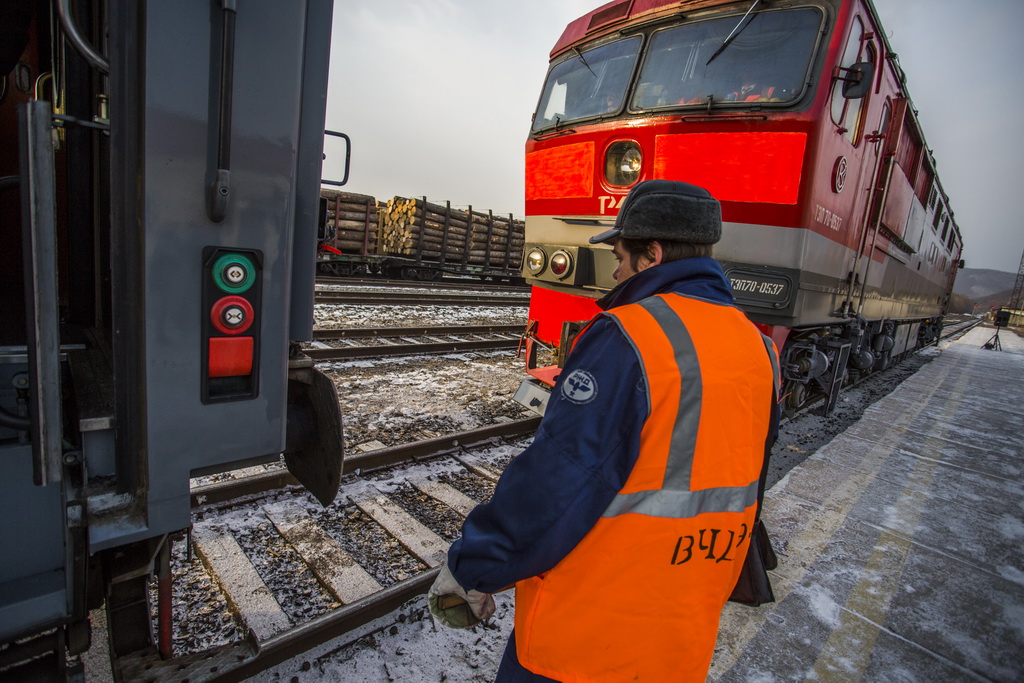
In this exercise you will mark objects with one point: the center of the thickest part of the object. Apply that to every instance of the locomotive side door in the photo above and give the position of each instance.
(888, 134)
(851, 115)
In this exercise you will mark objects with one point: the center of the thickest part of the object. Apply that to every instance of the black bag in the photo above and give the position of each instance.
(754, 588)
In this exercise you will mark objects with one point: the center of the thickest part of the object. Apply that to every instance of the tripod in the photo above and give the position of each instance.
(993, 343)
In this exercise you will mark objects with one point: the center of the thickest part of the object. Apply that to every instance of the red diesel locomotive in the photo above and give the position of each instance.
(838, 237)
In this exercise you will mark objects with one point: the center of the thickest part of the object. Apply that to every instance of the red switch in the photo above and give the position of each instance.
(231, 315)
(230, 356)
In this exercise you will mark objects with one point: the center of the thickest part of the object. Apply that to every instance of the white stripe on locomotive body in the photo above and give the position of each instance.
(895, 291)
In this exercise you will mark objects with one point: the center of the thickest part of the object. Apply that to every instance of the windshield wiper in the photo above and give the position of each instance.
(735, 32)
(583, 59)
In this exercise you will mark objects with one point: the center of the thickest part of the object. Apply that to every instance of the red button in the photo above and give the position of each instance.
(232, 315)
(230, 356)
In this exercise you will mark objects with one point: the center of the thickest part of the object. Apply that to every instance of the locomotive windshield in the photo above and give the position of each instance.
(587, 84)
(765, 61)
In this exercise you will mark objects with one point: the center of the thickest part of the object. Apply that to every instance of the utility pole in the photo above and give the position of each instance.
(1015, 298)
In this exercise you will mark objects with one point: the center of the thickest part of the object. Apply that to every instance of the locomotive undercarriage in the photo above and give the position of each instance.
(818, 361)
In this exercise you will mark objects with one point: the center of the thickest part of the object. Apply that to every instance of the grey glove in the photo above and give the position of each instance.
(454, 606)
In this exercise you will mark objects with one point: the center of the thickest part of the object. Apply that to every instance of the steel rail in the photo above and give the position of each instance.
(333, 625)
(959, 327)
(384, 332)
(397, 299)
(223, 492)
(466, 285)
(242, 660)
(350, 352)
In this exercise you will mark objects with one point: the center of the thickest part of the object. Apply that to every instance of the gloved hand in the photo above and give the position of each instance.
(454, 606)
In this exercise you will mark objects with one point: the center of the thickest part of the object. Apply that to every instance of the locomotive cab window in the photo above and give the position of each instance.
(847, 114)
(587, 84)
(766, 61)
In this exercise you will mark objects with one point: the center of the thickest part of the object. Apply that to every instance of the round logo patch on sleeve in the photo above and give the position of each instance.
(580, 387)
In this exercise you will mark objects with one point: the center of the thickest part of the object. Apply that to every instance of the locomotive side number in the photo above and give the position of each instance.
(772, 289)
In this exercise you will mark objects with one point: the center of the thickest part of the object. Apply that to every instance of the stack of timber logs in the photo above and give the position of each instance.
(414, 227)
(355, 220)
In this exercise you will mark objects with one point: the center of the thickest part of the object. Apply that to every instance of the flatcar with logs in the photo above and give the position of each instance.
(159, 202)
(838, 238)
(414, 239)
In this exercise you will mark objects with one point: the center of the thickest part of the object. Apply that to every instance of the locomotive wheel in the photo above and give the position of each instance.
(796, 397)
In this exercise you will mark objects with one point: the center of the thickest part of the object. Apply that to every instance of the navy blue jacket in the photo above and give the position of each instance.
(553, 493)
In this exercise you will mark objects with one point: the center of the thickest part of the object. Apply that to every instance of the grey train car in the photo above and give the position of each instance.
(159, 189)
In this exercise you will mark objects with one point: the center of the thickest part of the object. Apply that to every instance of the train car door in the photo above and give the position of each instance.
(891, 125)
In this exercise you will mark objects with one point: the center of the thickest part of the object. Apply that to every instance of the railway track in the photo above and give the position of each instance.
(379, 544)
(454, 284)
(384, 298)
(958, 327)
(344, 344)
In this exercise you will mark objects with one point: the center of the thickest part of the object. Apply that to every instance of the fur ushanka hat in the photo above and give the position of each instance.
(667, 210)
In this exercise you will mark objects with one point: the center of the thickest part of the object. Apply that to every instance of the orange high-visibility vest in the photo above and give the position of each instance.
(640, 597)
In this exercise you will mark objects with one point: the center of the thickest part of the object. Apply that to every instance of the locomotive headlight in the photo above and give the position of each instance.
(561, 264)
(623, 163)
(535, 261)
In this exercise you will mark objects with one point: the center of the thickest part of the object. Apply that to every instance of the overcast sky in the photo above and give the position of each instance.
(437, 97)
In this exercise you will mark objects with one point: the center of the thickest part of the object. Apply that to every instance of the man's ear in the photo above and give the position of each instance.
(655, 253)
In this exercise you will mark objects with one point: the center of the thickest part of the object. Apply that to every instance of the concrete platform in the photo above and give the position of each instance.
(901, 543)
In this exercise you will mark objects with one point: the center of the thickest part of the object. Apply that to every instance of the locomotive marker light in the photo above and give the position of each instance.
(561, 264)
(536, 261)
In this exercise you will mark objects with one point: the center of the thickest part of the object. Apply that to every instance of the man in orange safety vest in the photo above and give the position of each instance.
(625, 524)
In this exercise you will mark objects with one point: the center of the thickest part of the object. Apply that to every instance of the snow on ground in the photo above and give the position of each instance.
(332, 316)
(395, 401)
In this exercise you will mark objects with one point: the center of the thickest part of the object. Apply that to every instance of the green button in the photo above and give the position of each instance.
(234, 273)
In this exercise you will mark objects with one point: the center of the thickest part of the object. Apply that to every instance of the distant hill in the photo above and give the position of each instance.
(985, 287)
(976, 283)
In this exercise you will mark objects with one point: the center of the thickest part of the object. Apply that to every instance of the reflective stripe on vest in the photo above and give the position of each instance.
(675, 499)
